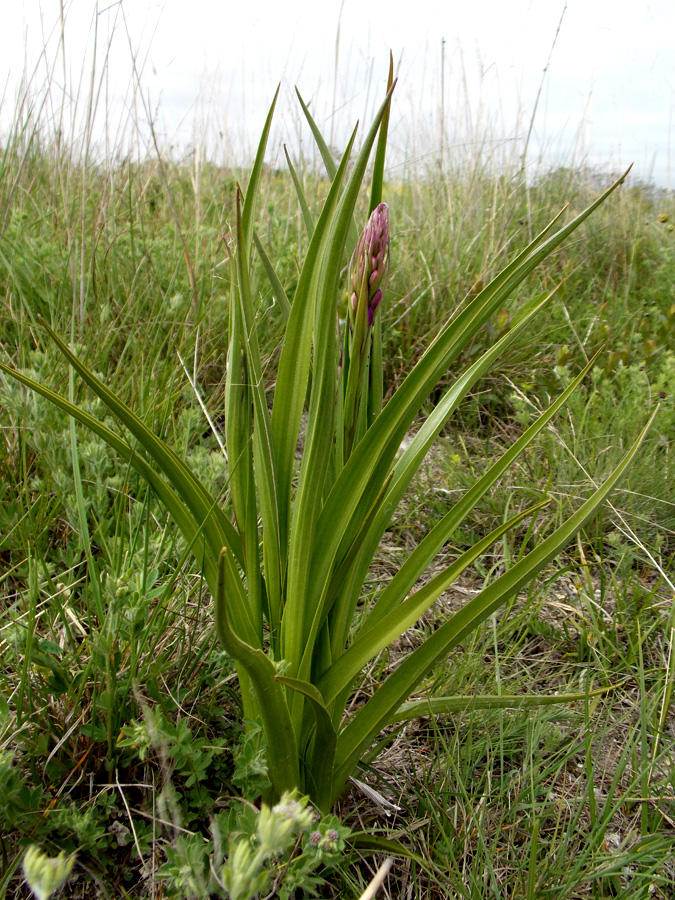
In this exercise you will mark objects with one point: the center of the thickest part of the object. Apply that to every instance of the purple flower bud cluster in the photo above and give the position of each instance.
(328, 842)
(370, 261)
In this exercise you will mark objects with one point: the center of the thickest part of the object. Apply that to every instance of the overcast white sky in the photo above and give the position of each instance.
(210, 68)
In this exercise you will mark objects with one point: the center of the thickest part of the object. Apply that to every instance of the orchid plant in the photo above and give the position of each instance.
(286, 550)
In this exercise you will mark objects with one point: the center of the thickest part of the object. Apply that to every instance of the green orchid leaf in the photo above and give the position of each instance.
(429, 546)
(372, 639)
(323, 740)
(277, 288)
(365, 470)
(296, 354)
(217, 527)
(381, 151)
(264, 461)
(302, 200)
(282, 756)
(401, 476)
(248, 211)
(370, 719)
(320, 429)
(326, 155)
(436, 706)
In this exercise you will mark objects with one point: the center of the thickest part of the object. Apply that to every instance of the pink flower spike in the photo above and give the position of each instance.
(369, 266)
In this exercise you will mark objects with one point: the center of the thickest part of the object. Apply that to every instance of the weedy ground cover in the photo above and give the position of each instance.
(124, 734)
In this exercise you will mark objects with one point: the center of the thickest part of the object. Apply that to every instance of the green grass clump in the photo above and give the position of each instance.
(120, 733)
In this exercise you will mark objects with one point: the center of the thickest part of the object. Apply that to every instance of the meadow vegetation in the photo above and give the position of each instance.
(121, 734)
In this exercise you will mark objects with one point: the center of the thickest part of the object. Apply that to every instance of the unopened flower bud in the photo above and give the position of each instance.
(44, 874)
(330, 842)
(278, 826)
(243, 874)
(369, 266)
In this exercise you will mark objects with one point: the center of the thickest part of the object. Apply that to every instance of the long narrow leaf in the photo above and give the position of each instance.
(218, 529)
(319, 440)
(174, 505)
(438, 706)
(239, 388)
(263, 443)
(282, 756)
(403, 472)
(374, 639)
(324, 741)
(369, 464)
(366, 840)
(326, 155)
(295, 359)
(371, 718)
(239, 437)
(381, 151)
(319, 613)
(277, 288)
(425, 551)
(248, 211)
(302, 200)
